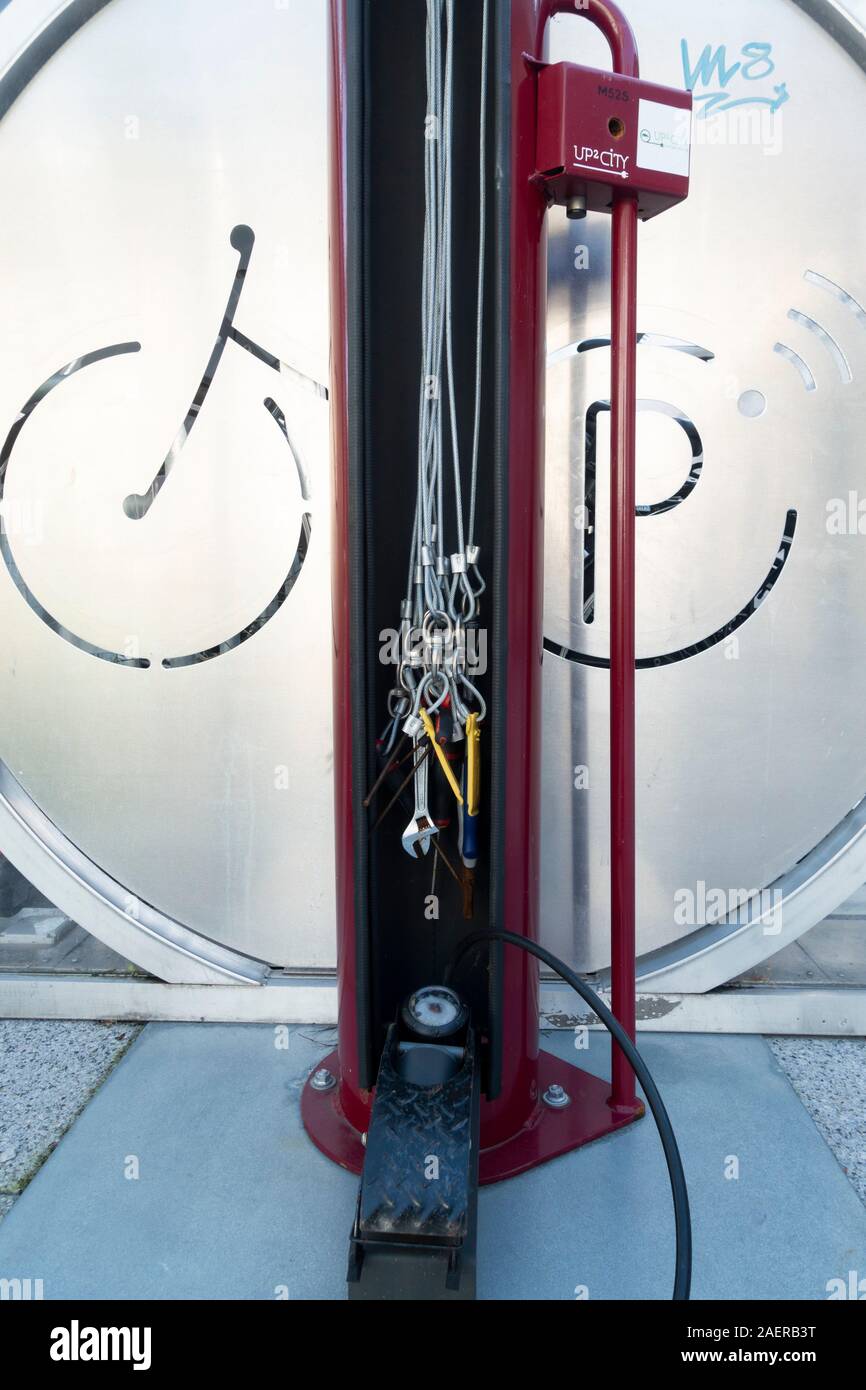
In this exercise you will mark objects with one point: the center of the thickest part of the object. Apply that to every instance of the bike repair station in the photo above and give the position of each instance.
(462, 587)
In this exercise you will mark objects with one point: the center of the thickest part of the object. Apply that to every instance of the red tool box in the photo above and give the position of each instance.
(600, 131)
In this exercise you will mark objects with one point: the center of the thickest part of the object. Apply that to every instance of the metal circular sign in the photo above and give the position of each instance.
(164, 587)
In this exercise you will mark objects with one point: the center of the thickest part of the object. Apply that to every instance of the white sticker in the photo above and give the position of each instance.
(663, 137)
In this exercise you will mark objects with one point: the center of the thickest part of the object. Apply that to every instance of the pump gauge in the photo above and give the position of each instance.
(435, 1012)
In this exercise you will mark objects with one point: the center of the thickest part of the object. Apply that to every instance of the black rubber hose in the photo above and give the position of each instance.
(679, 1191)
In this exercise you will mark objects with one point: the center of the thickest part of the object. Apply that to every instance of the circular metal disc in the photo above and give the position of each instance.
(165, 684)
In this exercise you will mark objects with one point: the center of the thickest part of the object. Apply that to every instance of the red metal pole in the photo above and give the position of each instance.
(622, 623)
(623, 291)
(607, 17)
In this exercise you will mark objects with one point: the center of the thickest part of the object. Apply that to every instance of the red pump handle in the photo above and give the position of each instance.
(607, 17)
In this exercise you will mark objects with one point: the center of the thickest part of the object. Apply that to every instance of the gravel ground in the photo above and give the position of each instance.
(48, 1072)
(829, 1076)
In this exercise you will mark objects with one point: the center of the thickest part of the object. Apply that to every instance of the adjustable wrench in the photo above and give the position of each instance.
(421, 828)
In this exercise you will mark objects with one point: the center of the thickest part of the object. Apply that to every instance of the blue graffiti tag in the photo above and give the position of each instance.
(712, 71)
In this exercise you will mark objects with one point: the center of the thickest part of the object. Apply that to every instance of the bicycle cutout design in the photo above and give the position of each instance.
(588, 605)
(137, 505)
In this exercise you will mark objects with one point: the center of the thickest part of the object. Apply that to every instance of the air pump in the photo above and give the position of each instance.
(451, 137)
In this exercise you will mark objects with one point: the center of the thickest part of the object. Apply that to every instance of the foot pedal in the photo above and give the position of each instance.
(414, 1235)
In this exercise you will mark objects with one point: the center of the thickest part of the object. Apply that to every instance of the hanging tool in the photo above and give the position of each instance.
(441, 755)
(471, 793)
(392, 762)
(403, 785)
(443, 584)
(421, 828)
(468, 838)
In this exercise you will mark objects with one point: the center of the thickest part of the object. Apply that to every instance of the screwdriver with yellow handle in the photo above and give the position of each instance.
(441, 754)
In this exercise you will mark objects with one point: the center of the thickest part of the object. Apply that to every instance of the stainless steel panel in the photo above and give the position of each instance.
(750, 749)
(125, 165)
(203, 790)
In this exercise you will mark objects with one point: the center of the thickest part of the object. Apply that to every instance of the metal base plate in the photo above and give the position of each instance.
(547, 1134)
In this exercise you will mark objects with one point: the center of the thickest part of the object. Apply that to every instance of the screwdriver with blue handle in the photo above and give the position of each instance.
(469, 812)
